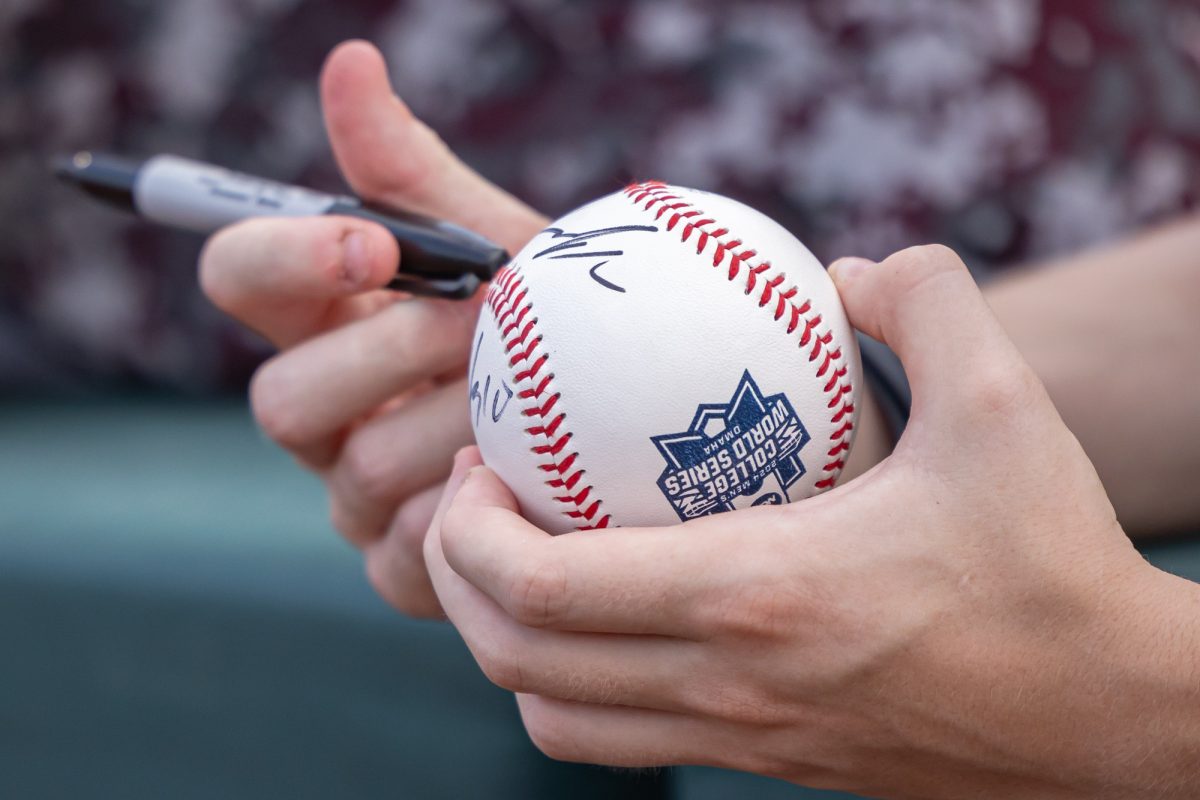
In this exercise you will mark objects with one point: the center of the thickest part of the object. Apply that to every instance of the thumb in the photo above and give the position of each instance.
(390, 156)
(482, 497)
(923, 303)
(474, 503)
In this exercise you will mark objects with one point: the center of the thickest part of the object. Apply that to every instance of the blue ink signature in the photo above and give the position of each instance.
(576, 246)
(479, 399)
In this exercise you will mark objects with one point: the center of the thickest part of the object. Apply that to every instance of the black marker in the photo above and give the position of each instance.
(437, 258)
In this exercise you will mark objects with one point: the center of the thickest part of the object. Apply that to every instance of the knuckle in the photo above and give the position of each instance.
(275, 407)
(368, 469)
(936, 255)
(393, 586)
(427, 331)
(759, 613)
(410, 179)
(997, 389)
(547, 730)
(914, 267)
(411, 521)
(501, 665)
(538, 596)
(399, 328)
(381, 578)
(932, 257)
(744, 706)
(348, 524)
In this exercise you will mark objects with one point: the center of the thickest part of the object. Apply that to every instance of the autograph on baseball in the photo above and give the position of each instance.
(577, 240)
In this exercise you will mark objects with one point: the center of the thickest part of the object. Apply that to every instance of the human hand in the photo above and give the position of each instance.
(965, 620)
(370, 389)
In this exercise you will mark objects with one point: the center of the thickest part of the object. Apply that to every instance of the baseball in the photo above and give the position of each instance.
(661, 354)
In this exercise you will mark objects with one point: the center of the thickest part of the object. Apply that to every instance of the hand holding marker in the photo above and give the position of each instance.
(438, 259)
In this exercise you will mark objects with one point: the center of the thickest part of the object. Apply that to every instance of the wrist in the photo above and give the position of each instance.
(1122, 690)
(1152, 738)
(1095, 693)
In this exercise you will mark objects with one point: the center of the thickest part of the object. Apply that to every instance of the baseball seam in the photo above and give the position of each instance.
(735, 254)
(516, 321)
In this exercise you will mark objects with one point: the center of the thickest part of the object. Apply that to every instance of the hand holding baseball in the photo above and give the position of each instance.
(966, 619)
(370, 389)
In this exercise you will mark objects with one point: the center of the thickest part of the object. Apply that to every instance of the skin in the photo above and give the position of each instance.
(369, 388)
(951, 624)
(999, 636)
(1110, 332)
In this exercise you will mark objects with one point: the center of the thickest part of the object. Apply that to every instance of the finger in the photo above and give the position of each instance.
(923, 303)
(281, 277)
(643, 671)
(389, 156)
(633, 670)
(395, 564)
(395, 454)
(445, 583)
(305, 397)
(621, 580)
(631, 737)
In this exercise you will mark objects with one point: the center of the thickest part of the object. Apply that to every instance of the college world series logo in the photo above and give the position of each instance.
(747, 448)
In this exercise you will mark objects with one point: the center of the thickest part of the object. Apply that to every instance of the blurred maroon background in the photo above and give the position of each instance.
(1012, 130)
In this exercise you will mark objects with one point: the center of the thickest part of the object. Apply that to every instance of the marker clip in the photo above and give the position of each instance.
(459, 288)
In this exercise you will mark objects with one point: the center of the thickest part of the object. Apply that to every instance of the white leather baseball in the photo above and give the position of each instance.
(660, 354)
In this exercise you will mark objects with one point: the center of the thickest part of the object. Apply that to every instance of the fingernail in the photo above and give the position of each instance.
(848, 268)
(356, 263)
(463, 465)
(463, 454)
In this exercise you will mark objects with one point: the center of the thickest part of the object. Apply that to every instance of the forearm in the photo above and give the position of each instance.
(1143, 731)
(1115, 336)
(1096, 697)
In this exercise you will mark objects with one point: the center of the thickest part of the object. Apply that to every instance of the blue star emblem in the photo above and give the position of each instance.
(730, 450)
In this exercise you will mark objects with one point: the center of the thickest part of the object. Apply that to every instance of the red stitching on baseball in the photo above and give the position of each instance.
(837, 396)
(503, 318)
(830, 357)
(822, 353)
(521, 355)
(553, 449)
(837, 375)
(516, 322)
(577, 499)
(547, 430)
(569, 483)
(520, 338)
(506, 298)
(532, 371)
(561, 467)
(537, 390)
(543, 410)
(587, 514)
(840, 447)
(699, 226)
